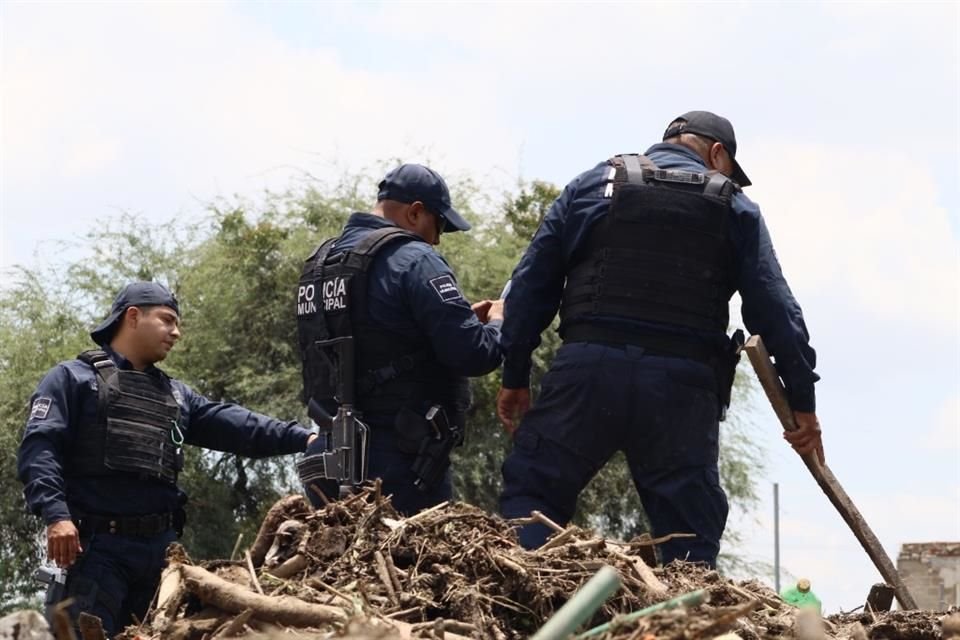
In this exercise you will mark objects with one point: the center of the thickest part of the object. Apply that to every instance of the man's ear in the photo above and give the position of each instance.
(416, 210)
(716, 153)
(131, 316)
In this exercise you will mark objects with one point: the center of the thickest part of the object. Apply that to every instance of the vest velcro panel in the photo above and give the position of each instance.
(136, 429)
(661, 254)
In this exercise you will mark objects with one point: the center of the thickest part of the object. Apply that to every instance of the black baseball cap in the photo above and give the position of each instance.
(135, 294)
(712, 126)
(412, 182)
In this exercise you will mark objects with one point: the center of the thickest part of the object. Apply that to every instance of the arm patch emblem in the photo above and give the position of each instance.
(40, 408)
(446, 288)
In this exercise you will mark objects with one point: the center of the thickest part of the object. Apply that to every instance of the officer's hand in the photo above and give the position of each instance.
(63, 543)
(496, 311)
(315, 445)
(482, 308)
(807, 437)
(512, 404)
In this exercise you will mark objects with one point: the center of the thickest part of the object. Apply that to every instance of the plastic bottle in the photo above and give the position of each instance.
(801, 596)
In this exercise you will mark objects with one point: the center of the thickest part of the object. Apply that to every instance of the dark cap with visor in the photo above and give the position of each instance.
(135, 294)
(410, 183)
(710, 125)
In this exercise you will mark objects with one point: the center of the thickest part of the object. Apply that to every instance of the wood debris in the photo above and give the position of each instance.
(356, 569)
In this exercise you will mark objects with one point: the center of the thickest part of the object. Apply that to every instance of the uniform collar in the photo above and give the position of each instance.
(363, 220)
(668, 152)
(125, 365)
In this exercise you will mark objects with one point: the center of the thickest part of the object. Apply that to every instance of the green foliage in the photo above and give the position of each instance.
(526, 210)
(235, 275)
(38, 327)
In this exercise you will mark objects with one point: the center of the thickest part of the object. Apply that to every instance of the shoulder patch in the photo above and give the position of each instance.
(446, 288)
(40, 408)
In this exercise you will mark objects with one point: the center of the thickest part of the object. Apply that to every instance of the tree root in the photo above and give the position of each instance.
(284, 509)
(232, 598)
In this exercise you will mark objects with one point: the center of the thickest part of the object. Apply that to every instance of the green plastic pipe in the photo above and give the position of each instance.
(581, 606)
(691, 599)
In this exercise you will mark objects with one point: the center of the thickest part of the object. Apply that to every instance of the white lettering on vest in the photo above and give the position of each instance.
(334, 294)
(305, 300)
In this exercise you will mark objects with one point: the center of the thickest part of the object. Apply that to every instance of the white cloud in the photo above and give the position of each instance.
(865, 227)
(90, 153)
(201, 98)
(879, 27)
(219, 96)
(153, 107)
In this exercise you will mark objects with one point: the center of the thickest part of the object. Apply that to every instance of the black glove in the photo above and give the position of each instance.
(330, 488)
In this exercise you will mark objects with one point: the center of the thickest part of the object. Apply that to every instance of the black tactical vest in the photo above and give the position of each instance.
(137, 429)
(392, 371)
(661, 254)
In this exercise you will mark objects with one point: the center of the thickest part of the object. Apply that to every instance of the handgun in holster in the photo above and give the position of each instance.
(726, 370)
(347, 437)
(433, 457)
(56, 581)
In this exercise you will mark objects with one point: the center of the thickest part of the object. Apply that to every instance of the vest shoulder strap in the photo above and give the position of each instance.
(100, 361)
(314, 266)
(720, 186)
(629, 167)
(360, 257)
(362, 254)
(638, 169)
(317, 258)
(105, 369)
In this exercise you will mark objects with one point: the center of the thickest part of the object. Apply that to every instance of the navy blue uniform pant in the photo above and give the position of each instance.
(661, 412)
(116, 576)
(393, 467)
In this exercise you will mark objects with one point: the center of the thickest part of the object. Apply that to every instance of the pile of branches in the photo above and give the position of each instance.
(356, 569)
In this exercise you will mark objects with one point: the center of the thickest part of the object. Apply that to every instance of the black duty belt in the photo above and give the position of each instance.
(654, 344)
(142, 526)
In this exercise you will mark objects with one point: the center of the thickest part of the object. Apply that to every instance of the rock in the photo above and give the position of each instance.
(24, 625)
(951, 626)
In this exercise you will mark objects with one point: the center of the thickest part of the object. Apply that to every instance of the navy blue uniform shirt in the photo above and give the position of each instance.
(66, 399)
(769, 308)
(411, 290)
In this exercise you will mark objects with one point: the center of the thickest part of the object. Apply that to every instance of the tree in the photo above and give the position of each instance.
(38, 325)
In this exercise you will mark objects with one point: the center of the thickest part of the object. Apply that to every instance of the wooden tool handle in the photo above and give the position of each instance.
(770, 381)
(776, 393)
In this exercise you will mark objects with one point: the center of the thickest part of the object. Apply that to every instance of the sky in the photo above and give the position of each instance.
(847, 119)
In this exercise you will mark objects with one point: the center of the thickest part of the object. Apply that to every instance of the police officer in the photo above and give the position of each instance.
(102, 449)
(415, 336)
(642, 254)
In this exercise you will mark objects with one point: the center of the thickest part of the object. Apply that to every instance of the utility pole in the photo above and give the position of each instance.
(776, 536)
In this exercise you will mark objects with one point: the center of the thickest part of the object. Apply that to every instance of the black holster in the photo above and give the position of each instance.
(725, 370)
(179, 521)
(431, 437)
(56, 581)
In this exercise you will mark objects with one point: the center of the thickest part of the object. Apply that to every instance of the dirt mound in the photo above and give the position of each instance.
(356, 569)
